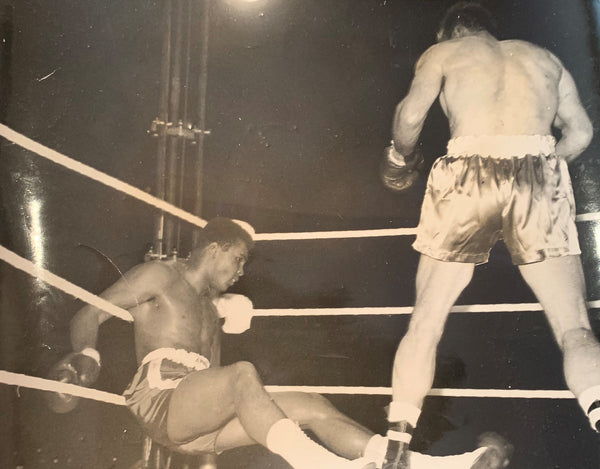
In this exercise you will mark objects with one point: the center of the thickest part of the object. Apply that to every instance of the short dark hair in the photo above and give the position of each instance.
(471, 15)
(224, 231)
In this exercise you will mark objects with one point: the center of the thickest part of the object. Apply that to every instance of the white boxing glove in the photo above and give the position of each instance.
(237, 311)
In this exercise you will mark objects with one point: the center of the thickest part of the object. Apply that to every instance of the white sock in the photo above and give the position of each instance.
(402, 412)
(587, 399)
(286, 439)
(455, 461)
(376, 449)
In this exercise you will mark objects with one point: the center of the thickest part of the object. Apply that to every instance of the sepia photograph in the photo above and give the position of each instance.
(300, 234)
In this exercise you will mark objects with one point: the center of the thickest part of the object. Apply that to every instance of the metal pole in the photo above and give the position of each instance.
(174, 118)
(186, 118)
(163, 117)
(201, 111)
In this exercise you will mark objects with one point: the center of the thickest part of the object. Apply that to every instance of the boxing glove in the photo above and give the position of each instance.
(80, 368)
(398, 173)
(237, 311)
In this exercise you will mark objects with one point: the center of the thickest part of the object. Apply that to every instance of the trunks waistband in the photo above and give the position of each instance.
(501, 146)
(189, 359)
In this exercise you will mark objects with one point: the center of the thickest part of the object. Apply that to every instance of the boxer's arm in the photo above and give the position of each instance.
(572, 120)
(135, 287)
(82, 366)
(412, 110)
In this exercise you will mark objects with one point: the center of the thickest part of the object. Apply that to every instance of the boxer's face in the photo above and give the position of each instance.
(229, 265)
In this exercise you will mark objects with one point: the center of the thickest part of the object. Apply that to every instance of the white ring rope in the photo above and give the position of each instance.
(96, 175)
(335, 234)
(585, 217)
(62, 284)
(17, 379)
(402, 310)
(445, 392)
(139, 194)
(43, 384)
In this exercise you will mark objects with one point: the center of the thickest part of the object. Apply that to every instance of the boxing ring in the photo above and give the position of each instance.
(24, 381)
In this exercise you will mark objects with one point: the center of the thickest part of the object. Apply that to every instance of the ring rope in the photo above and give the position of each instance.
(43, 384)
(100, 303)
(587, 217)
(403, 310)
(62, 284)
(132, 191)
(98, 176)
(336, 234)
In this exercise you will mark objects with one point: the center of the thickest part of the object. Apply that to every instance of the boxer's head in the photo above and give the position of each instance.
(222, 250)
(224, 232)
(463, 19)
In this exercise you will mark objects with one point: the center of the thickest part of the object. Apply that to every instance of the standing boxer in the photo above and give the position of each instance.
(503, 177)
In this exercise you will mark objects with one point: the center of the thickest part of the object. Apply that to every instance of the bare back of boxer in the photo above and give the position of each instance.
(491, 87)
(498, 92)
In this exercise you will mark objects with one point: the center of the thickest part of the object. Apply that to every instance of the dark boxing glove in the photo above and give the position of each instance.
(81, 369)
(398, 173)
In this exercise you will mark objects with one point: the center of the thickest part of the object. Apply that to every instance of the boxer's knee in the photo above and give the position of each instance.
(578, 337)
(322, 409)
(245, 374)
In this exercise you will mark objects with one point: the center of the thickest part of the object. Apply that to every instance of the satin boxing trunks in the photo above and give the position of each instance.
(488, 188)
(149, 394)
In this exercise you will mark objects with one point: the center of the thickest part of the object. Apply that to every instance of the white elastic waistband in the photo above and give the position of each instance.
(502, 146)
(189, 359)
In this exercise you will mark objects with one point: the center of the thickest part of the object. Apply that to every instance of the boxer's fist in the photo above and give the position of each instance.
(76, 368)
(237, 311)
(398, 173)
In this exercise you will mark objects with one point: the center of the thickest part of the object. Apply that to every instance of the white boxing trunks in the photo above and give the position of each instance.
(509, 187)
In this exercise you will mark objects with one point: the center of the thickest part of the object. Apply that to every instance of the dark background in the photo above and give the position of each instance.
(300, 99)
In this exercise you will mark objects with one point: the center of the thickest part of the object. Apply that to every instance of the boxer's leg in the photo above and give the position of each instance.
(559, 285)
(206, 401)
(438, 285)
